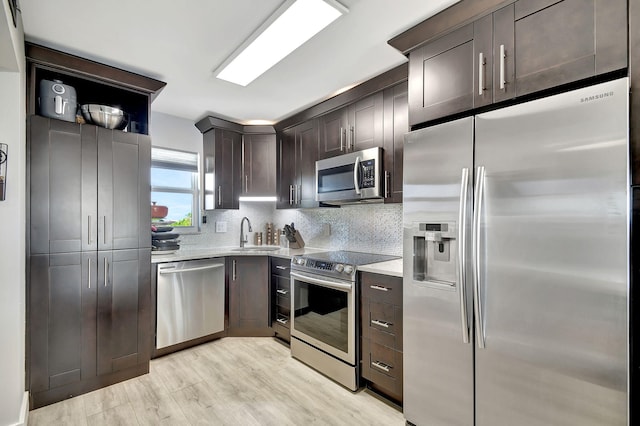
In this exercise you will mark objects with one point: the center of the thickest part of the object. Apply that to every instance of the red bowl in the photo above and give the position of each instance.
(158, 212)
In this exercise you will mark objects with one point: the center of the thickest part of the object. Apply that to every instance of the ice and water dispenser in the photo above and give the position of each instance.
(434, 253)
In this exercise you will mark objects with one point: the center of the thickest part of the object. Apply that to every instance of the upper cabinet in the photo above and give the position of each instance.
(259, 164)
(222, 157)
(522, 48)
(352, 128)
(396, 124)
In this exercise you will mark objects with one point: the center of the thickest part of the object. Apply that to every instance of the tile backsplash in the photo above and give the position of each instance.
(372, 228)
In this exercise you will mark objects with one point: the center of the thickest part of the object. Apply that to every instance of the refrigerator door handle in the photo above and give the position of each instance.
(462, 250)
(477, 213)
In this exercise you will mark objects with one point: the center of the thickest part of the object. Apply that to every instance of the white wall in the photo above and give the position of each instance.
(168, 131)
(12, 218)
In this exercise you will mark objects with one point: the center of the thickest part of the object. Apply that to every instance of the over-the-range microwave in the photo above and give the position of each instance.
(350, 178)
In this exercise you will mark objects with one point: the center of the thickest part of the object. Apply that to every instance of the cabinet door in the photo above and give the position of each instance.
(62, 186)
(557, 42)
(62, 319)
(124, 197)
(396, 124)
(366, 123)
(124, 326)
(443, 76)
(248, 295)
(259, 152)
(333, 134)
(286, 169)
(228, 166)
(504, 65)
(306, 157)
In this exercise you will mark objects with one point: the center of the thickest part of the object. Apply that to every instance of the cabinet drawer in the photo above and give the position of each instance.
(382, 316)
(282, 319)
(280, 266)
(382, 288)
(382, 366)
(383, 338)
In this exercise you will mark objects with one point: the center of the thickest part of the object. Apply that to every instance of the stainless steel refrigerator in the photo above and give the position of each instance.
(516, 264)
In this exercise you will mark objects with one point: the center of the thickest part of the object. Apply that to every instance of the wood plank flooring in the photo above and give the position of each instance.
(231, 381)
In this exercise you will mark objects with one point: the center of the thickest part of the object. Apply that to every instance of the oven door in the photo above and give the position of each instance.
(324, 314)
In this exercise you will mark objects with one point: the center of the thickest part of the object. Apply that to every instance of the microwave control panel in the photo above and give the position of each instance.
(368, 174)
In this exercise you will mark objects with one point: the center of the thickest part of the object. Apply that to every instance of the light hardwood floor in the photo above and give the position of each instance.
(231, 381)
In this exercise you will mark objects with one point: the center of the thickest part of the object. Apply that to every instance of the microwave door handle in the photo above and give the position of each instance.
(356, 176)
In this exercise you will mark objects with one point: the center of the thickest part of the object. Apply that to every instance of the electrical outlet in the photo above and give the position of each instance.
(221, 226)
(326, 229)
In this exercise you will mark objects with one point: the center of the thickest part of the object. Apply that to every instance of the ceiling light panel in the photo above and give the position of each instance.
(288, 28)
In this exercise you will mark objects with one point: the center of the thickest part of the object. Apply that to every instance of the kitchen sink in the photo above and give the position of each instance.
(257, 248)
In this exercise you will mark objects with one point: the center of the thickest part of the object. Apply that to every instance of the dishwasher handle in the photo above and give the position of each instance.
(175, 270)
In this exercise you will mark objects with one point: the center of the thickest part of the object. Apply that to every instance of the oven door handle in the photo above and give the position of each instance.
(321, 282)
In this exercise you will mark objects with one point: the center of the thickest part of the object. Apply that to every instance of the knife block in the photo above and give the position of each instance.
(298, 243)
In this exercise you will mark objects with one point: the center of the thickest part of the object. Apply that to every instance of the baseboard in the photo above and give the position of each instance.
(24, 411)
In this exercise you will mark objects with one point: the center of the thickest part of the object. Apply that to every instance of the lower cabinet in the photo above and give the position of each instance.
(381, 322)
(89, 323)
(281, 297)
(248, 278)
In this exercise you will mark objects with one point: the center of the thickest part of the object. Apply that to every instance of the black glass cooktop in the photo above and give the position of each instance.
(351, 257)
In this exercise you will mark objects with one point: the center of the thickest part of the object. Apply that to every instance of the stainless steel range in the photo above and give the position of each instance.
(324, 303)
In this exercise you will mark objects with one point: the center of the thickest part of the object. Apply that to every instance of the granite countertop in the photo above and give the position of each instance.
(390, 267)
(204, 253)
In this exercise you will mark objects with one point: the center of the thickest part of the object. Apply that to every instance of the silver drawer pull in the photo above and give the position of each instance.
(381, 366)
(282, 321)
(379, 287)
(280, 291)
(282, 268)
(381, 323)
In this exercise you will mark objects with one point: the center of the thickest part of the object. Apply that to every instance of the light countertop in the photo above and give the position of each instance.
(390, 267)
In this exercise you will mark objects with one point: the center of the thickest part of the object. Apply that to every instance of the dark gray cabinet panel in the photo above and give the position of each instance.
(333, 133)
(249, 296)
(365, 119)
(396, 124)
(281, 297)
(62, 186)
(298, 152)
(222, 152)
(124, 161)
(124, 279)
(62, 322)
(259, 165)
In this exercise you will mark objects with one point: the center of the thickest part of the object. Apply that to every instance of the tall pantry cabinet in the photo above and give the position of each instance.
(88, 239)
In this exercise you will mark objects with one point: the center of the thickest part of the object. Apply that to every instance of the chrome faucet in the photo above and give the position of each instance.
(243, 239)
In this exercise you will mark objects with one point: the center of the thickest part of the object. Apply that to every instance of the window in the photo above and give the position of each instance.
(175, 184)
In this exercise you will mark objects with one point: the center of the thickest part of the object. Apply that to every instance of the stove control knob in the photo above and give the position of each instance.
(339, 267)
(300, 261)
(348, 269)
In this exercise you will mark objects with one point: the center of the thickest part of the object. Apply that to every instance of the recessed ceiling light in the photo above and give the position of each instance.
(295, 22)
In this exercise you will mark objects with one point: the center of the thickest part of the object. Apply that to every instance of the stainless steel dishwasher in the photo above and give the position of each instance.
(190, 300)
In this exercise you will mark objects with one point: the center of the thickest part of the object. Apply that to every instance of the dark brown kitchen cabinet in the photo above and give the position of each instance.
(124, 304)
(381, 326)
(352, 128)
(296, 165)
(396, 124)
(249, 313)
(89, 187)
(222, 156)
(281, 297)
(259, 165)
(522, 48)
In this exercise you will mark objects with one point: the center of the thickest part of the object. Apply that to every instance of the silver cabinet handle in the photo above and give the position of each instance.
(462, 253)
(381, 366)
(233, 270)
(89, 272)
(281, 291)
(387, 184)
(379, 288)
(246, 183)
(282, 321)
(89, 240)
(341, 140)
(104, 229)
(290, 195)
(352, 137)
(503, 55)
(219, 196)
(381, 323)
(282, 268)
(106, 271)
(477, 212)
(356, 177)
(481, 63)
(298, 194)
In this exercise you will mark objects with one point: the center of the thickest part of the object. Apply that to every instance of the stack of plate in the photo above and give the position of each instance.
(163, 240)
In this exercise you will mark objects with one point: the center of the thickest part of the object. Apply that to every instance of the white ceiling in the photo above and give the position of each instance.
(182, 42)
